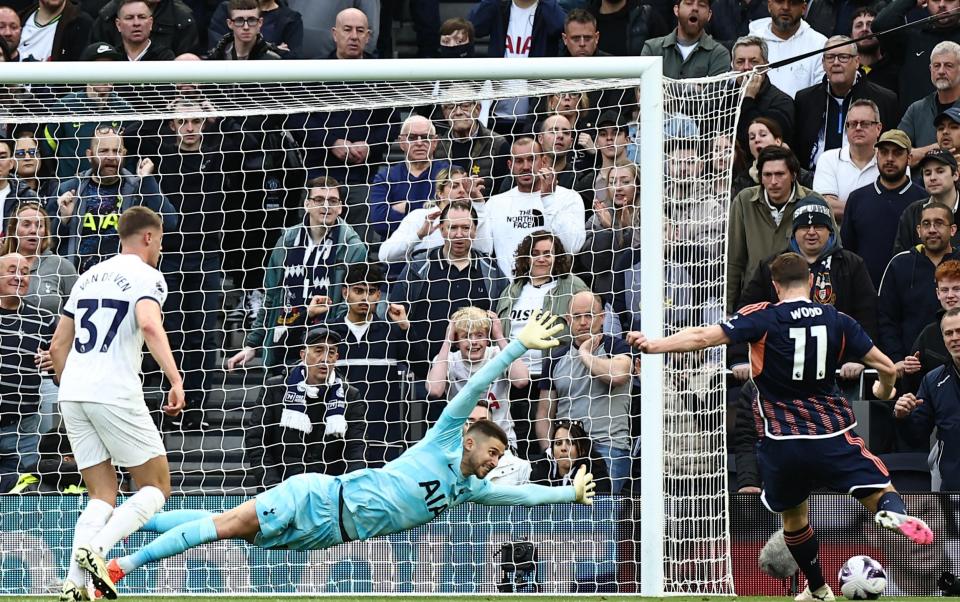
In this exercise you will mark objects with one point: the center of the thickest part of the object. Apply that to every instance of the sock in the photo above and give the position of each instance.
(91, 521)
(178, 539)
(805, 548)
(127, 518)
(892, 502)
(164, 521)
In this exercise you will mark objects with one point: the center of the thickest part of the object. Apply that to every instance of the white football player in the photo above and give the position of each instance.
(97, 351)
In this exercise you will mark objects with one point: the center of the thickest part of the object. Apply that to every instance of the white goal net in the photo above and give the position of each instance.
(370, 221)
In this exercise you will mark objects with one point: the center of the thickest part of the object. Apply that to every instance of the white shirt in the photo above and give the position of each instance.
(459, 371)
(36, 41)
(838, 175)
(799, 75)
(512, 215)
(530, 300)
(510, 471)
(103, 364)
(517, 45)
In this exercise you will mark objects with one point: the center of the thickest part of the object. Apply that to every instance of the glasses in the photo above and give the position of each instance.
(843, 59)
(418, 137)
(860, 125)
(463, 106)
(329, 201)
(21, 153)
(245, 21)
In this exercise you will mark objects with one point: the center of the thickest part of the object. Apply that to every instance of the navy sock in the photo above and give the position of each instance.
(892, 502)
(805, 548)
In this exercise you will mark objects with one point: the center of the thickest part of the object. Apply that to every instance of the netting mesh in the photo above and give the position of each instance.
(258, 251)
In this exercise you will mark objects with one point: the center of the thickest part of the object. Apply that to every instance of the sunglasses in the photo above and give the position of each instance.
(21, 153)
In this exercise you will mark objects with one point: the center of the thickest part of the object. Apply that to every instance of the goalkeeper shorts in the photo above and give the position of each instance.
(301, 513)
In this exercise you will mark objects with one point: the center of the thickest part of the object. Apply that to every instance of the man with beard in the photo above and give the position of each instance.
(872, 212)
(948, 131)
(788, 35)
(88, 206)
(940, 175)
(688, 51)
(919, 119)
(908, 296)
(877, 67)
(909, 46)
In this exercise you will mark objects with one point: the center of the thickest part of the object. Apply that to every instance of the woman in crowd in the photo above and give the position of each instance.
(761, 133)
(570, 448)
(30, 168)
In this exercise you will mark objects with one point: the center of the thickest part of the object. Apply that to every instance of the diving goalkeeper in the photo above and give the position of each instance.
(316, 511)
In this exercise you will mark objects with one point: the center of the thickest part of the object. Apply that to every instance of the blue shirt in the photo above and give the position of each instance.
(425, 481)
(795, 348)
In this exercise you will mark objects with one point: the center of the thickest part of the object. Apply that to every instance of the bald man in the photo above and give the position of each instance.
(320, 19)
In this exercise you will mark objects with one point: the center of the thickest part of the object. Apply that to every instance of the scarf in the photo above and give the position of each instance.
(298, 393)
(306, 272)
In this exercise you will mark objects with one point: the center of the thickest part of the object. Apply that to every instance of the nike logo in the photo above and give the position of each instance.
(921, 52)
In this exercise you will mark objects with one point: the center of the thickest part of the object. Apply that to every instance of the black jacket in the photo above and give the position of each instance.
(940, 393)
(907, 229)
(224, 50)
(933, 353)
(771, 102)
(643, 22)
(284, 23)
(731, 19)
(811, 106)
(19, 192)
(743, 439)
(173, 26)
(72, 34)
(544, 472)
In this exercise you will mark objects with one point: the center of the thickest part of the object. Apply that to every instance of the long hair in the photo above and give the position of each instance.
(11, 243)
(578, 435)
(562, 261)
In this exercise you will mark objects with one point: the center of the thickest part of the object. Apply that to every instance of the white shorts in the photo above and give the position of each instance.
(99, 431)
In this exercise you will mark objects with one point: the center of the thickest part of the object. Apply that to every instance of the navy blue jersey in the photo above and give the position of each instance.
(795, 349)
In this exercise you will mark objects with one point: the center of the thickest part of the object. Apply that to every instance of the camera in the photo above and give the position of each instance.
(518, 568)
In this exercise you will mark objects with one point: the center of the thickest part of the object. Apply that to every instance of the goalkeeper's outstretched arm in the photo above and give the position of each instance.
(581, 491)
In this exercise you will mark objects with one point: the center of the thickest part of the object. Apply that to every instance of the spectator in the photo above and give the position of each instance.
(731, 19)
(54, 30)
(908, 46)
(371, 353)
(467, 143)
(688, 51)
(10, 32)
(511, 470)
(876, 66)
(761, 133)
(788, 35)
(761, 98)
(68, 142)
(948, 131)
(320, 20)
(908, 299)
(402, 187)
(823, 109)
(171, 25)
(135, 24)
(304, 278)
(13, 191)
(575, 106)
(842, 170)
(929, 351)
(478, 337)
(626, 25)
(581, 38)
(918, 120)
(534, 203)
(29, 168)
(25, 333)
(543, 281)
(612, 140)
(870, 218)
(457, 38)
(612, 230)
(88, 205)
(570, 449)
(438, 283)
(589, 379)
(308, 420)
(743, 440)
(280, 26)
(940, 177)
(935, 406)
(244, 40)
(761, 218)
(574, 168)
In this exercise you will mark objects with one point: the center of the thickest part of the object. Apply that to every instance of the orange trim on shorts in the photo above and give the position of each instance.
(866, 453)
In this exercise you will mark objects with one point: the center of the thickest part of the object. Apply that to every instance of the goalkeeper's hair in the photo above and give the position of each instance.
(471, 319)
(487, 429)
(137, 219)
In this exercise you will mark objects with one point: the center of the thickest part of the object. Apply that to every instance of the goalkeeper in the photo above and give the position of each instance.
(316, 511)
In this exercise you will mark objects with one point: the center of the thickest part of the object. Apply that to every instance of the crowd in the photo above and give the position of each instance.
(387, 254)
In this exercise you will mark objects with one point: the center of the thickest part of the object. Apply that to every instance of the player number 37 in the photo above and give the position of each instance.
(800, 337)
(90, 307)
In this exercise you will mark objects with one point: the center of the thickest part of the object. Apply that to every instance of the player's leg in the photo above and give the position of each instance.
(890, 512)
(805, 549)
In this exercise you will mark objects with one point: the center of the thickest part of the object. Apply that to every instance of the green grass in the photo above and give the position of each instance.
(439, 597)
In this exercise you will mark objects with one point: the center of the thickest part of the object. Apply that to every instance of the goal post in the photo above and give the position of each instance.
(684, 544)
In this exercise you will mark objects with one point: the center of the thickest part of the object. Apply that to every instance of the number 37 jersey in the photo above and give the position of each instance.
(796, 347)
(103, 365)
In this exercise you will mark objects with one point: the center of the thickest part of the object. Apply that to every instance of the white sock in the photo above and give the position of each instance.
(91, 520)
(128, 518)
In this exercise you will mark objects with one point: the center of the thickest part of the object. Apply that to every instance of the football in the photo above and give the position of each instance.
(862, 578)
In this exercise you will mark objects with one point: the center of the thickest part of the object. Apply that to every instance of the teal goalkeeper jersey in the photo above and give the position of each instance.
(425, 481)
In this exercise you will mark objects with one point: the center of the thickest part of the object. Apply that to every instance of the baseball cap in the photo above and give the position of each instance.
(812, 212)
(100, 51)
(941, 156)
(897, 137)
(611, 118)
(953, 114)
(322, 335)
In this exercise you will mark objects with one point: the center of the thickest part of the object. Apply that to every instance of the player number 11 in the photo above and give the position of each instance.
(799, 336)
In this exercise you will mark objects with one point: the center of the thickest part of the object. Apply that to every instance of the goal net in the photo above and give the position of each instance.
(382, 210)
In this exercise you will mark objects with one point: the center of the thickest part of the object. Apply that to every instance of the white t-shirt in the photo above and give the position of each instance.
(36, 41)
(531, 300)
(497, 395)
(517, 45)
(4, 193)
(103, 365)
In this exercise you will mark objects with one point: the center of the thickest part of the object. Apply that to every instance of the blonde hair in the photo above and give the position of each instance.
(10, 243)
(471, 319)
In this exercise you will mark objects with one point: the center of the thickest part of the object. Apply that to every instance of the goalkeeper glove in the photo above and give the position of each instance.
(540, 330)
(583, 486)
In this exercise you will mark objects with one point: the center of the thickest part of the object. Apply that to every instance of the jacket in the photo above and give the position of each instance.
(908, 300)
(556, 302)
(485, 148)
(492, 17)
(280, 26)
(907, 227)
(225, 51)
(940, 393)
(173, 26)
(731, 19)
(772, 103)
(72, 33)
(917, 121)
(708, 58)
(544, 472)
(394, 184)
(811, 109)
(350, 249)
(744, 437)
(409, 288)
(643, 22)
(19, 192)
(933, 353)
(69, 141)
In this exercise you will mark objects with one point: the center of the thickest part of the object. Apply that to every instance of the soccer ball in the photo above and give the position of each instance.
(862, 578)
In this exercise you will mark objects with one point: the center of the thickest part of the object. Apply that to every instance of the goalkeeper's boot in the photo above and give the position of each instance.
(94, 564)
(823, 594)
(71, 592)
(910, 527)
(116, 574)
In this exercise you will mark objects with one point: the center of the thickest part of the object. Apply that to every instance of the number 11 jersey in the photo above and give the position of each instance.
(104, 362)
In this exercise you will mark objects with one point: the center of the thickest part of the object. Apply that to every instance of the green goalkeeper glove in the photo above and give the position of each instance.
(540, 330)
(583, 486)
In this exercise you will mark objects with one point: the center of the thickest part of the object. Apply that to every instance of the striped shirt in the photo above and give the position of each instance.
(23, 333)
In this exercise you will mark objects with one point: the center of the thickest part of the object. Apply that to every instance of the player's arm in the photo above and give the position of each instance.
(581, 491)
(60, 345)
(886, 371)
(150, 321)
(688, 339)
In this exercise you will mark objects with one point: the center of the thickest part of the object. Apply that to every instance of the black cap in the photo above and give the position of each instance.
(101, 51)
(940, 156)
(320, 335)
(812, 212)
(611, 118)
